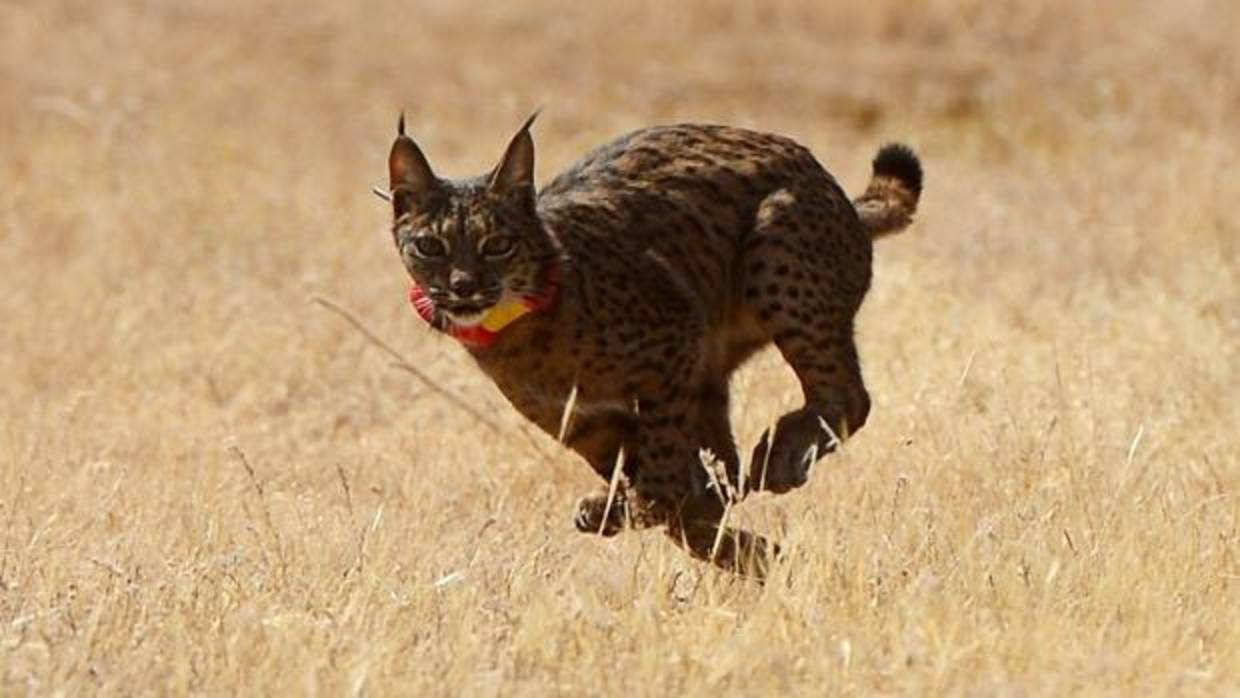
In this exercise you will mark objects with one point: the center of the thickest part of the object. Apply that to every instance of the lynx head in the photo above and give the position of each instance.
(469, 243)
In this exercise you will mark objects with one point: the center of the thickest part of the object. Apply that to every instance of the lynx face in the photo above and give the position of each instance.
(471, 248)
(469, 243)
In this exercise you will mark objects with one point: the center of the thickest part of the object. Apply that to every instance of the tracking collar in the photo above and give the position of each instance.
(500, 316)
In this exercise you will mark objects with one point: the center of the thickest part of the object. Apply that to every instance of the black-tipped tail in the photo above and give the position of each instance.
(889, 202)
(899, 161)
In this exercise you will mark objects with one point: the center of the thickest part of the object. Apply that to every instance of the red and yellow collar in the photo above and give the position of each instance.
(500, 316)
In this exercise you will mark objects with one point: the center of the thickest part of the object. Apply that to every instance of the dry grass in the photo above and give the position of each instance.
(211, 485)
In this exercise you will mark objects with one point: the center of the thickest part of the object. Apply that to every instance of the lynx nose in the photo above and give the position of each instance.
(462, 283)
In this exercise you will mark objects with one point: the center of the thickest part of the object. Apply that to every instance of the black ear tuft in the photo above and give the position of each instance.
(410, 178)
(516, 169)
(400, 124)
(530, 120)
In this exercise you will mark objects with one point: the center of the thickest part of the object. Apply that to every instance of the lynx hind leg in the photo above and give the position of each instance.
(805, 277)
(698, 527)
(831, 414)
(686, 499)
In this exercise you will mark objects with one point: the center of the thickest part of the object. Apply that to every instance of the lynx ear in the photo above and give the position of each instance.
(515, 172)
(409, 174)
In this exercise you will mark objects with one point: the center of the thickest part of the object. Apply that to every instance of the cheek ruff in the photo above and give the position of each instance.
(500, 316)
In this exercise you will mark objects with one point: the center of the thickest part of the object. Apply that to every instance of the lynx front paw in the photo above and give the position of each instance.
(595, 516)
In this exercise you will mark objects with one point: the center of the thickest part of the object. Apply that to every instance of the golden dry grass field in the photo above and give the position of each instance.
(212, 485)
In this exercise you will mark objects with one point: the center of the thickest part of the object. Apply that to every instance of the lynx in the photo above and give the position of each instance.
(637, 282)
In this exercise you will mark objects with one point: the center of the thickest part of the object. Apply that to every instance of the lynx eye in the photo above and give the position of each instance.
(497, 246)
(429, 247)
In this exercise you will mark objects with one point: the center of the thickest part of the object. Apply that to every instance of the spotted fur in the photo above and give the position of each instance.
(683, 250)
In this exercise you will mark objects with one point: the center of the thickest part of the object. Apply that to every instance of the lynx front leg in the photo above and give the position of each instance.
(599, 436)
(602, 513)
